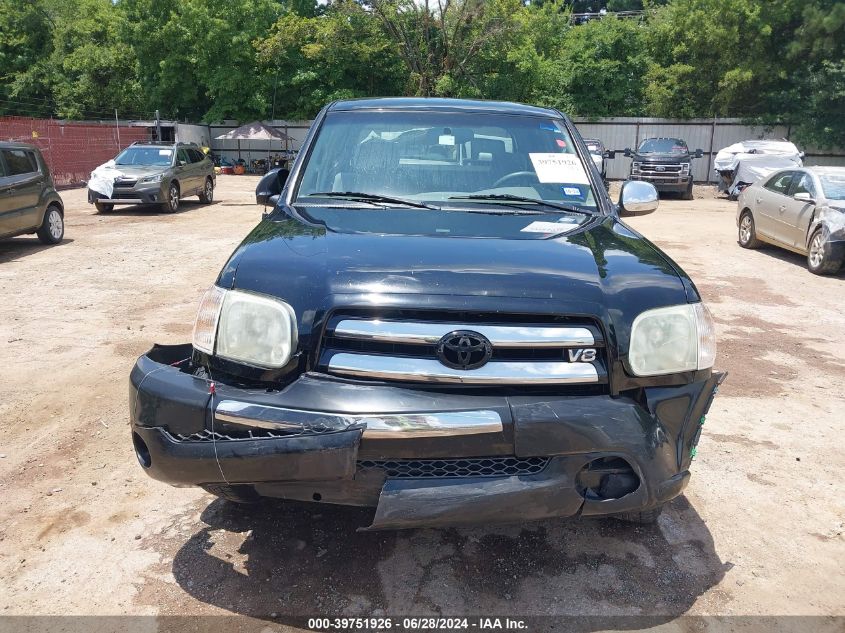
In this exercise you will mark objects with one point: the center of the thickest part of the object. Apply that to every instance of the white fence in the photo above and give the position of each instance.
(253, 150)
(708, 135)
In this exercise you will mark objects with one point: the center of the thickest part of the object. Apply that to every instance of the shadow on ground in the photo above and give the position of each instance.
(285, 561)
(14, 248)
(135, 210)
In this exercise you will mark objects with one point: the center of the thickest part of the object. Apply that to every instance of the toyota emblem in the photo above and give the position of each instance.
(464, 349)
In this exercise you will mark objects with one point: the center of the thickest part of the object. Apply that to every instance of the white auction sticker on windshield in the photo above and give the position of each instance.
(557, 168)
(165, 152)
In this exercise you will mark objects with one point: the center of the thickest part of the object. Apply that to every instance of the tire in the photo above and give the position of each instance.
(171, 205)
(52, 228)
(103, 207)
(643, 517)
(687, 195)
(207, 194)
(235, 493)
(820, 257)
(747, 237)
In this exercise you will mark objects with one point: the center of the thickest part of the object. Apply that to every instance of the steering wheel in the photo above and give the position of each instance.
(514, 176)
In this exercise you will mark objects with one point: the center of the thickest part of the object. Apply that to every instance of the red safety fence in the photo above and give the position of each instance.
(72, 150)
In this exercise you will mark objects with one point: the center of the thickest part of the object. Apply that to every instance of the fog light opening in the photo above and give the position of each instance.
(606, 478)
(141, 451)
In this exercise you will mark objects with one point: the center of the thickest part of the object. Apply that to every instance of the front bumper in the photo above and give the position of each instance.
(152, 193)
(326, 439)
(671, 183)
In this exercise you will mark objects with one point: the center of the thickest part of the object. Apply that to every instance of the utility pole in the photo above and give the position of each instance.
(117, 127)
(158, 127)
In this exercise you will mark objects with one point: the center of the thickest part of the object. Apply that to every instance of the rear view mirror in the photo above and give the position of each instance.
(638, 196)
(803, 196)
(698, 153)
(609, 154)
(628, 151)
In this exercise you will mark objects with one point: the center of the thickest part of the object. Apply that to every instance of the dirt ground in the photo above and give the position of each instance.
(84, 531)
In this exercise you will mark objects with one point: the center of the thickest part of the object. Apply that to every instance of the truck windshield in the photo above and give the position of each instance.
(663, 146)
(459, 159)
(155, 156)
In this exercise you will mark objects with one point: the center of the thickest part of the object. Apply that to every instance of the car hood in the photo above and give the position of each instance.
(669, 159)
(140, 171)
(603, 269)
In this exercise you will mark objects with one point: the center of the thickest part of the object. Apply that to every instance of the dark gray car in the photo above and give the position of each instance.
(155, 173)
(28, 201)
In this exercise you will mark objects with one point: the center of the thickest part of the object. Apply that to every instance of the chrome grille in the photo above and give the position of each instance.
(405, 350)
(468, 467)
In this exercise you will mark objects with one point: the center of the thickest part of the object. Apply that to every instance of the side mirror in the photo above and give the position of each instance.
(270, 186)
(638, 196)
(698, 153)
(608, 153)
(803, 196)
(182, 163)
(628, 152)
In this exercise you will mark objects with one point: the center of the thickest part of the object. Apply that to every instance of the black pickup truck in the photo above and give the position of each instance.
(442, 318)
(666, 163)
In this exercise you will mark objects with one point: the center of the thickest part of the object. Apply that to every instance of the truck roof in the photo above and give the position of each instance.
(445, 105)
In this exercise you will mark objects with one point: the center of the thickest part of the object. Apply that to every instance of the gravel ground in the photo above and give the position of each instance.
(84, 531)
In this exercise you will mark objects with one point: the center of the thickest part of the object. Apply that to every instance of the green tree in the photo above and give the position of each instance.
(342, 53)
(599, 70)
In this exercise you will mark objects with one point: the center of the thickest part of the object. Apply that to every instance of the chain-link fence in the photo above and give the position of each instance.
(72, 149)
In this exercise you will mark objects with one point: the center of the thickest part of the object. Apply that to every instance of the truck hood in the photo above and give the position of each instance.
(602, 268)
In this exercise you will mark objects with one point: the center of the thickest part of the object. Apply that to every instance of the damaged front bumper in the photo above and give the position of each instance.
(419, 457)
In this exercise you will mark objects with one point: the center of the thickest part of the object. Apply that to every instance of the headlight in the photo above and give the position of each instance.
(673, 339)
(245, 327)
(685, 167)
(156, 178)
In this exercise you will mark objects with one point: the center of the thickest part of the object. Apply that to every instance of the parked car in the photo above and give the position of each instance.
(29, 203)
(801, 210)
(742, 164)
(153, 173)
(600, 156)
(445, 319)
(666, 163)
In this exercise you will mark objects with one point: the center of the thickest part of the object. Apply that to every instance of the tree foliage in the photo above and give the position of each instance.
(250, 59)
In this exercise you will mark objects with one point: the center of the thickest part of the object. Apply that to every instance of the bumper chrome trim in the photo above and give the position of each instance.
(377, 425)
(496, 372)
(120, 200)
(498, 335)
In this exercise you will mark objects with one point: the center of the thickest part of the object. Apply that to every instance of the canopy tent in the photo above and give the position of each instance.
(255, 131)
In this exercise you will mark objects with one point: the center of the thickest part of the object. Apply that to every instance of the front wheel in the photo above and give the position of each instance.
(52, 228)
(747, 234)
(171, 205)
(103, 207)
(821, 259)
(207, 193)
(687, 195)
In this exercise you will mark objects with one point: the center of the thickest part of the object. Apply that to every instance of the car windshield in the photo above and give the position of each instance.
(459, 160)
(663, 146)
(154, 156)
(833, 185)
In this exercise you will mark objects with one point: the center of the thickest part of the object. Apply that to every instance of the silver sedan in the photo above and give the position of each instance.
(801, 210)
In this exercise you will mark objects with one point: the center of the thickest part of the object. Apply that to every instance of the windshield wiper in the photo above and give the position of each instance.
(371, 197)
(506, 197)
